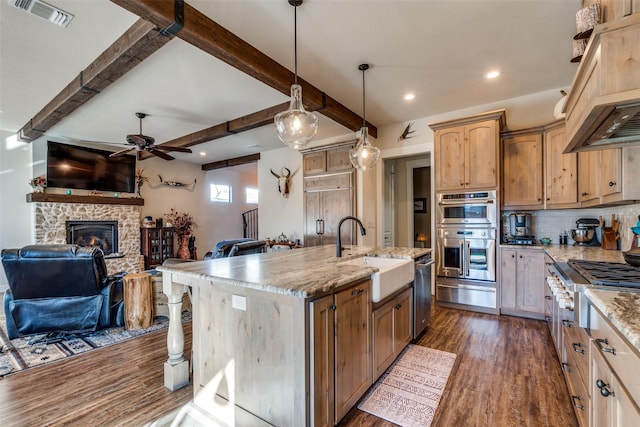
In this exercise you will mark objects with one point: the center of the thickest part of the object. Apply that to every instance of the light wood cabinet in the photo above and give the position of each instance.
(522, 282)
(609, 177)
(522, 184)
(323, 210)
(611, 404)
(588, 177)
(391, 330)
(614, 10)
(326, 160)
(561, 170)
(341, 352)
(467, 152)
(156, 244)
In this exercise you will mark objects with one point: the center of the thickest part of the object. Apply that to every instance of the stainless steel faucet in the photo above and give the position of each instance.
(363, 231)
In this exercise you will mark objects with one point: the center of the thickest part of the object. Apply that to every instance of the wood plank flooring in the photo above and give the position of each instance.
(506, 374)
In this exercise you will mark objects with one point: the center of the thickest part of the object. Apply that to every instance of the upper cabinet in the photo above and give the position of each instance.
(522, 186)
(326, 160)
(467, 152)
(560, 170)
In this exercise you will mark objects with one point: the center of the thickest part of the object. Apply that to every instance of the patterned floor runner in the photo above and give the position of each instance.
(409, 392)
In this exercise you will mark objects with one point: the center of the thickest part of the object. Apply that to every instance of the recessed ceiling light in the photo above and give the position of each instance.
(203, 153)
(409, 97)
(492, 74)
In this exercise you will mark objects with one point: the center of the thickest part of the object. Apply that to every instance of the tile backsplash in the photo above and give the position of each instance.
(550, 223)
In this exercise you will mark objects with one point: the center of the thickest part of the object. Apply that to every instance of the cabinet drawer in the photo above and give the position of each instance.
(577, 388)
(325, 182)
(617, 352)
(577, 343)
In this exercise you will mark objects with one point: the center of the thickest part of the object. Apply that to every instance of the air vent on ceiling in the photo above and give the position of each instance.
(44, 10)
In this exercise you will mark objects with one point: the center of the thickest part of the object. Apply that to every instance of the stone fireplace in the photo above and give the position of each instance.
(51, 218)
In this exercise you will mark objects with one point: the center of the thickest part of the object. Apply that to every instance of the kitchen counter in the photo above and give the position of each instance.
(563, 253)
(252, 317)
(623, 311)
(304, 273)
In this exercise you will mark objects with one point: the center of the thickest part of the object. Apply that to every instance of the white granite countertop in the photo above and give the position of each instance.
(622, 309)
(563, 253)
(304, 272)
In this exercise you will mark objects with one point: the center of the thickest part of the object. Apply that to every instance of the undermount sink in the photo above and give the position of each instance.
(392, 274)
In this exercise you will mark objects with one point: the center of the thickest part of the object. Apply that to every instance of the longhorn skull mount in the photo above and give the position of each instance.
(284, 181)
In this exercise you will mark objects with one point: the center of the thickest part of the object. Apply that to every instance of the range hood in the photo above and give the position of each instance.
(603, 105)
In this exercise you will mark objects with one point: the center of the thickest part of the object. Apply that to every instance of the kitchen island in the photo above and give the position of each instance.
(255, 327)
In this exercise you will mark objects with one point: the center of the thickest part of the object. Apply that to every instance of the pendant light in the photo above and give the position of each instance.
(296, 127)
(364, 155)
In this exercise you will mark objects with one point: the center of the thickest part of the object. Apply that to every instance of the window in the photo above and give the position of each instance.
(252, 195)
(221, 193)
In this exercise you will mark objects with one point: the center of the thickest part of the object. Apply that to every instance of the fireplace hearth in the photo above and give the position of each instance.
(100, 234)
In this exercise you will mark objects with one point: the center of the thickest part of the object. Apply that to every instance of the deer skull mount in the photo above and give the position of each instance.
(284, 182)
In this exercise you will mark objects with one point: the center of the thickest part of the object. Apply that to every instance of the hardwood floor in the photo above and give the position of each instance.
(118, 385)
(506, 374)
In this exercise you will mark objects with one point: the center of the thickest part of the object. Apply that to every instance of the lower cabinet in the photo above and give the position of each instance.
(614, 385)
(340, 352)
(391, 323)
(522, 282)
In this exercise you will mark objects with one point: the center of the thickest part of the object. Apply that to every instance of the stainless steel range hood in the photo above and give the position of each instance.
(603, 105)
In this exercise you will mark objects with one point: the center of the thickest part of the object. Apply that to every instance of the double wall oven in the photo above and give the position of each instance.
(466, 249)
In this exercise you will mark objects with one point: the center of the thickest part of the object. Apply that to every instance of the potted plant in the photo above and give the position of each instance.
(39, 183)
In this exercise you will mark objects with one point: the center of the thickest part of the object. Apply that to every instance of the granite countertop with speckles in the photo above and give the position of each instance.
(622, 309)
(563, 253)
(303, 273)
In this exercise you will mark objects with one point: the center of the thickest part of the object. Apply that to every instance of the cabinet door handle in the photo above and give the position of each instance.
(604, 388)
(577, 405)
(584, 194)
(601, 343)
(611, 183)
(398, 306)
(548, 318)
(577, 347)
(567, 323)
(357, 291)
(565, 367)
(548, 297)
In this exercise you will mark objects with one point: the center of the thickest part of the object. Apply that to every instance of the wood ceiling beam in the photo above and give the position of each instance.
(236, 161)
(209, 36)
(135, 45)
(241, 124)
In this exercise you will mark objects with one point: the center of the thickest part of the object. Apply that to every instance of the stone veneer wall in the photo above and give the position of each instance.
(50, 227)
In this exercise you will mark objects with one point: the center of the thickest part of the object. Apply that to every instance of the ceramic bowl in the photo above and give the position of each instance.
(545, 240)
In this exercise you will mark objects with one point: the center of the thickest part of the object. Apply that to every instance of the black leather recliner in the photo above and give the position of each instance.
(60, 288)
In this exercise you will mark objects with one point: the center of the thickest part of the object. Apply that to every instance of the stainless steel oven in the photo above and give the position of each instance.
(466, 253)
(472, 208)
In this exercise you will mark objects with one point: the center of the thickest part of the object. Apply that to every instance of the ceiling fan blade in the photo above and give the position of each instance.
(159, 153)
(172, 148)
(121, 152)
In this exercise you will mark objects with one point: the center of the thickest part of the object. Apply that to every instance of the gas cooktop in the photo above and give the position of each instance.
(607, 273)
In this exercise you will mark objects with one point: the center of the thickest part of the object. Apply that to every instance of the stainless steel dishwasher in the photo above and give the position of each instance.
(422, 294)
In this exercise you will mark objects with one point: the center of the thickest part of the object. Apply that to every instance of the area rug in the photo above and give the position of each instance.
(409, 392)
(35, 350)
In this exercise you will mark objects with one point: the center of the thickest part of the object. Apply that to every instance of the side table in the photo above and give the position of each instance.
(138, 301)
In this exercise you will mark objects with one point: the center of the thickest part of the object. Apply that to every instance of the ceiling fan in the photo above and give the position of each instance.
(141, 142)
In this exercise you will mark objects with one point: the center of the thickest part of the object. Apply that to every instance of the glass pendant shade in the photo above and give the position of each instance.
(364, 155)
(296, 127)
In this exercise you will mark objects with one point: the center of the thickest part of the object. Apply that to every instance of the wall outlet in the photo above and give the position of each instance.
(239, 302)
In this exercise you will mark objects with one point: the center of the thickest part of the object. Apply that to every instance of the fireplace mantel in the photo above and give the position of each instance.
(96, 200)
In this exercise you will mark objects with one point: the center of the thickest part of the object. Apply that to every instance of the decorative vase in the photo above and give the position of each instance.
(183, 247)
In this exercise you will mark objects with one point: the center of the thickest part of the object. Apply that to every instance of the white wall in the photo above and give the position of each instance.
(278, 214)
(15, 213)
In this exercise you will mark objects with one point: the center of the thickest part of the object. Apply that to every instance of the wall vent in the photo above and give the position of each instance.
(44, 10)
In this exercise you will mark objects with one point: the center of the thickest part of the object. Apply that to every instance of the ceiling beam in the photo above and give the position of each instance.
(135, 45)
(209, 36)
(236, 161)
(241, 124)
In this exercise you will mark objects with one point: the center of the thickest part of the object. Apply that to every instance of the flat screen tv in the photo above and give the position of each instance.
(72, 166)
